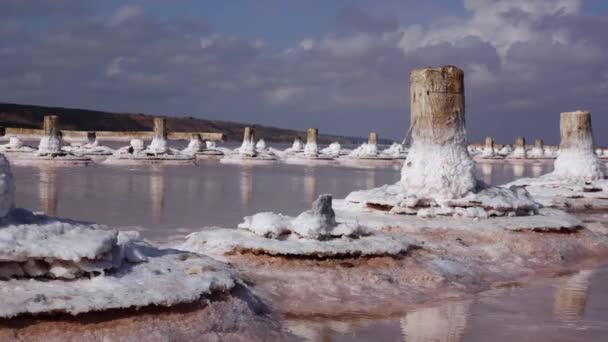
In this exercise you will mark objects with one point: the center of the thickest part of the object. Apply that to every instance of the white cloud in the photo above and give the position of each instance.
(123, 14)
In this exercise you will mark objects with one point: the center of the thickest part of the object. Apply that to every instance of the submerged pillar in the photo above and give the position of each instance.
(50, 143)
(311, 149)
(576, 156)
(438, 164)
(159, 142)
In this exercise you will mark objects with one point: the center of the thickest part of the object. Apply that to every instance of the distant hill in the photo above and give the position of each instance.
(29, 116)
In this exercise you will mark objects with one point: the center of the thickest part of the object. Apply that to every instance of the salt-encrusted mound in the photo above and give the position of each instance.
(552, 190)
(89, 149)
(314, 233)
(156, 153)
(230, 241)
(166, 278)
(546, 220)
(15, 145)
(51, 265)
(578, 181)
(485, 201)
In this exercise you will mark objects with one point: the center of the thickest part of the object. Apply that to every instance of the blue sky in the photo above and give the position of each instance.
(341, 66)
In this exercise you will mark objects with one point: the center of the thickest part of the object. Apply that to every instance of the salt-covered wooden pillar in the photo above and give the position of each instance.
(50, 143)
(160, 128)
(91, 137)
(49, 125)
(438, 164)
(248, 145)
(372, 138)
(519, 150)
(159, 142)
(539, 148)
(488, 150)
(311, 149)
(577, 158)
(249, 134)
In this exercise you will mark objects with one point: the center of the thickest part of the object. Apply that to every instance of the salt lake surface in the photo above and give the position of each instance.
(168, 202)
(165, 201)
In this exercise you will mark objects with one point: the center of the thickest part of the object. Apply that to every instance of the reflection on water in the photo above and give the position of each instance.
(159, 199)
(443, 323)
(157, 190)
(310, 184)
(570, 308)
(518, 170)
(571, 297)
(47, 189)
(246, 185)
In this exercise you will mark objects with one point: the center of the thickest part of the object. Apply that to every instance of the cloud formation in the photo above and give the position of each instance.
(524, 62)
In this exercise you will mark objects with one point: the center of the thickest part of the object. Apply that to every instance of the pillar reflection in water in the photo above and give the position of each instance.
(157, 189)
(443, 323)
(370, 179)
(537, 170)
(47, 190)
(310, 184)
(486, 172)
(246, 184)
(571, 296)
(519, 170)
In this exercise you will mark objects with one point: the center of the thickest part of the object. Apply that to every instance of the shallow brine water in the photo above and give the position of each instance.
(171, 201)
(164, 201)
(568, 308)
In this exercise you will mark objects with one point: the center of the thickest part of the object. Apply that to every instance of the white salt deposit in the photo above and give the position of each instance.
(158, 146)
(167, 278)
(396, 151)
(230, 241)
(49, 145)
(16, 145)
(578, 164)
(546, 219)
(311, 149)
(365, 151)
(156, 152)
(519, 153)
(334, 150)
(505, 150)
(52, 265)
(438, 171)
(313, 233)
(261, 145)
(89, 149)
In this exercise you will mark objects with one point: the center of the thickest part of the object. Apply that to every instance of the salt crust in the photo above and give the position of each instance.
(437, 180)
(314, 233)
(167, 278)
(90, 149)
(63, 266)
(16, 145)
(157, 152)
(228, 241)
(546, 219)
(577, 181)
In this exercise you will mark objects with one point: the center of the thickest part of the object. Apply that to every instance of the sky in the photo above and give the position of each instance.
(339, 65)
